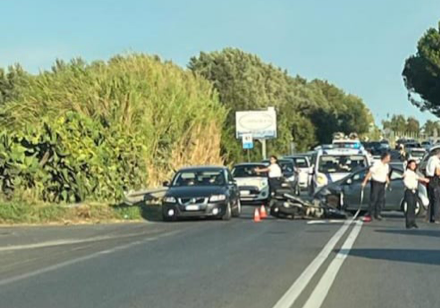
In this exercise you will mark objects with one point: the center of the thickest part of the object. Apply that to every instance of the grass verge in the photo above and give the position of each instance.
(23, 213)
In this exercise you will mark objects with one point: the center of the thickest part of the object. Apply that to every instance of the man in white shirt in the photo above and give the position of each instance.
(379, 179)
(274, 172)
(433, 173)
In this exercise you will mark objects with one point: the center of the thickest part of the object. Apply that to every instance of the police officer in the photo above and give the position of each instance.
(411, 179)
(433, 174)
(379, 179)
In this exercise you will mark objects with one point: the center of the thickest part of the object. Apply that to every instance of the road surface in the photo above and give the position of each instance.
(272, 264)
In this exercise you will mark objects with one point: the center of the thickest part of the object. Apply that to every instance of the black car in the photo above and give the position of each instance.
(207, 191)
(290, 173)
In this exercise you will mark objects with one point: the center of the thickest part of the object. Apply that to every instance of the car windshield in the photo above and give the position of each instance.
(199, 178)
(301, 162)
(417, 154)
(244, 171)
(287, 166)
(341, 163)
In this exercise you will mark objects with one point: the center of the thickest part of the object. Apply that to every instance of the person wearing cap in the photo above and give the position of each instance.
(433, 174)
(379, 174)
(411, 181)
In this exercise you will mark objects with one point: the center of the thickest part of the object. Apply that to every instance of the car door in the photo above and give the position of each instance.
(352, 188)
(395, 190)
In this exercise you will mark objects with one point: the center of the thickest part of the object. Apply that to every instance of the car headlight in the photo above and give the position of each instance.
(321, 179)
(216, 198)
(169, 200)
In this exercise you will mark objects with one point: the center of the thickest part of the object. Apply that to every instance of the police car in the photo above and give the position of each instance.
(328, 166)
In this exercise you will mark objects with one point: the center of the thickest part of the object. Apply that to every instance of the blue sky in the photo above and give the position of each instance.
(358, 45)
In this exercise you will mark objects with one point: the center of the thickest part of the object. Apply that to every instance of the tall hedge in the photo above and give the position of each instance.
(89, 131)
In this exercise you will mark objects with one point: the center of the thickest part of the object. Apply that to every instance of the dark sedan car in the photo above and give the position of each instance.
(201, 192)
(346, 193)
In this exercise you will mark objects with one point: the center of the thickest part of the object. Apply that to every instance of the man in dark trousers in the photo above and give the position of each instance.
(379, 174)
(433, 173)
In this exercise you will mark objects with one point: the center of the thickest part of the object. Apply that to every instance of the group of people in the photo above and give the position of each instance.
(379, 175)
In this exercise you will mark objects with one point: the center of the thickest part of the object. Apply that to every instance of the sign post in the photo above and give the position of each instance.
(261, 125)
(248, 144)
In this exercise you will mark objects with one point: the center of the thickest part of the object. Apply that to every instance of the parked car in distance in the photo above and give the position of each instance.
(290, 173)
(206, 191)
(302, 163)
(385, 145)
(427, 144)
(253, 186)
(416, 154)
(346, 193)
(411, 145)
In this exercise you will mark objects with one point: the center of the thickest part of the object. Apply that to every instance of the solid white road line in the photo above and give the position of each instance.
(325, 221)
(67, 242)
(301, 283)
(318, 295)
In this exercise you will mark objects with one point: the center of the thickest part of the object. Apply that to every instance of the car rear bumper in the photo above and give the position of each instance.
(217, 209)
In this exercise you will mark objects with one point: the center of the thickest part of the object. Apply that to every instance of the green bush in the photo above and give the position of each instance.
(91, 131)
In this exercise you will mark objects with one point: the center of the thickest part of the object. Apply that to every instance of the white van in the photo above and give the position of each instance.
(332, 165)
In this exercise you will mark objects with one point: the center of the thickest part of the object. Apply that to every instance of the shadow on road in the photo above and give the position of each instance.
(421, 256)
(432, 233)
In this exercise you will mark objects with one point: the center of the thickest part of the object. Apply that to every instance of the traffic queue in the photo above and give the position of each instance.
(329, 181)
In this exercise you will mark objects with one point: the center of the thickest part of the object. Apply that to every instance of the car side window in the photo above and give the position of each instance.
(359, 177)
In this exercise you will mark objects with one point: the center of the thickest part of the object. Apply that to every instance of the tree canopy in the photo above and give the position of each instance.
(421, 73)
(308, 112)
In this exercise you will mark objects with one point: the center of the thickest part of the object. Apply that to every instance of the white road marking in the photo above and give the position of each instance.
(80, 259)
(301, 283)
(326, 221)
(289, 298)
(66, 242)
(318, 295)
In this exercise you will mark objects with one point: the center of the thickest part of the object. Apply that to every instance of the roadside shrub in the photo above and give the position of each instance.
(90, 131)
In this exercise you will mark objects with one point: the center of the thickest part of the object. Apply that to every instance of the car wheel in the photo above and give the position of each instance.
(237, 211)
(419, 207)
(228, 213)
(166, 218)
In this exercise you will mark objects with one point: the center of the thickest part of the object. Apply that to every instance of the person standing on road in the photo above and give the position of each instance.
(433, 174)
(274, 172)
(411, 180)
(379, 179)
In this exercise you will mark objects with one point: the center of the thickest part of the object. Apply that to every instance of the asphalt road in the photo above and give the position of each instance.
(272, 264)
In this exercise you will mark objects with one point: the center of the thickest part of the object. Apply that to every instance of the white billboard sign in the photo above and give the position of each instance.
(261, 124)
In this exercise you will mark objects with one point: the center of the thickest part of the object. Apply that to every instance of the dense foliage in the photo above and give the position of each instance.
(308, 112)
(422, 73)
(90, 131)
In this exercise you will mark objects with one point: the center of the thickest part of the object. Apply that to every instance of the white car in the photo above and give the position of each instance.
(253, 186)
(302, 164)
(332, 165)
